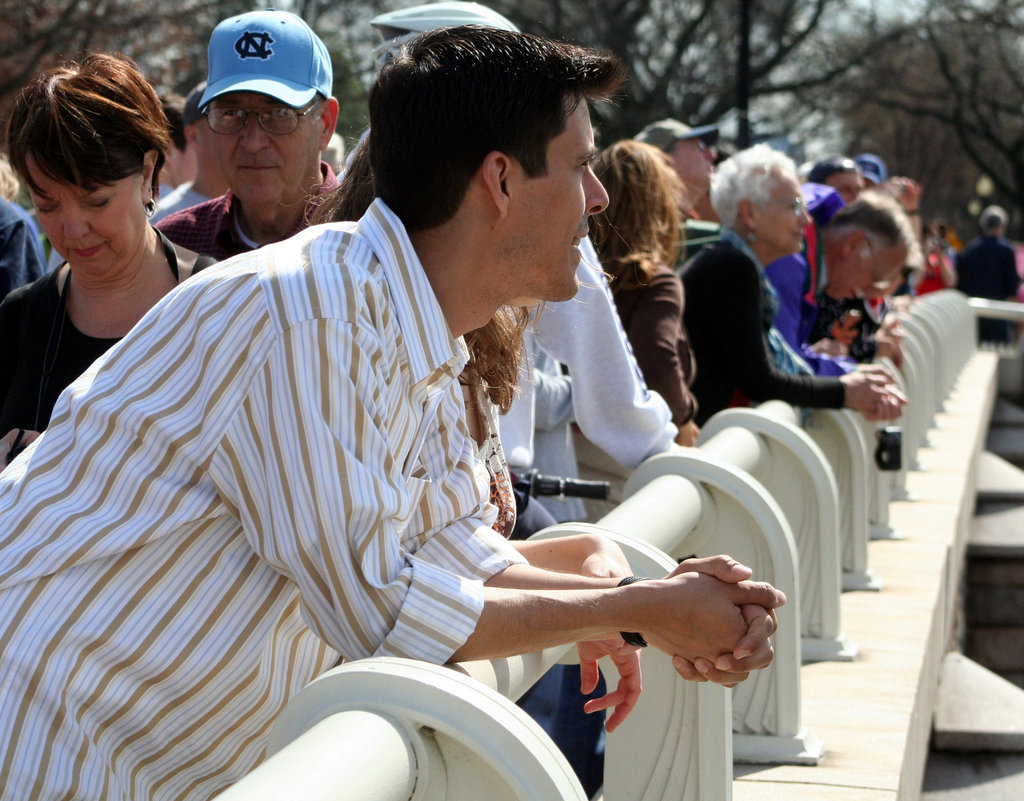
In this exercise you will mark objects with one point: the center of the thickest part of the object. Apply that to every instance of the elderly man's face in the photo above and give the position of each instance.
(268, 171)
(884, 272)
(860, 266)
(694, 162)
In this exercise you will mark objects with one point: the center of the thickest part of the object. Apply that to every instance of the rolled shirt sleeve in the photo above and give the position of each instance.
(345, 483)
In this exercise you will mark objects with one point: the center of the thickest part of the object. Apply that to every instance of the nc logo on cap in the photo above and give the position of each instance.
(254, 44)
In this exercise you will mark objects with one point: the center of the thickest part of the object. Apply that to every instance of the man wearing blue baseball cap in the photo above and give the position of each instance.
(268, 100)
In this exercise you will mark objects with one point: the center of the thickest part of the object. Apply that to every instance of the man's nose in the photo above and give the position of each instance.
(597, 195)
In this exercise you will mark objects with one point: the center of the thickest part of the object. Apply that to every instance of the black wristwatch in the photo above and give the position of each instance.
(633, 637)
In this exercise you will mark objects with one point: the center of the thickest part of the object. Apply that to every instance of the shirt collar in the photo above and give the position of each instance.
(228, 233)
(428, 340)
(738, 242)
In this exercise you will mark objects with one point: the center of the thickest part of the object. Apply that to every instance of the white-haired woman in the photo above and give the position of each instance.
(730, 307)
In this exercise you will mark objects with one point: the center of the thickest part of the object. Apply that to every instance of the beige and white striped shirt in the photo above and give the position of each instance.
(270, 470)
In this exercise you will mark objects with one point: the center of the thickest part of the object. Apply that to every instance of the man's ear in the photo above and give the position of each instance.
(494, 174)
(329, 121)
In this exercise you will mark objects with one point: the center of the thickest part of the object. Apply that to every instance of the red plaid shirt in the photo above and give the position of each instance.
(210, 228)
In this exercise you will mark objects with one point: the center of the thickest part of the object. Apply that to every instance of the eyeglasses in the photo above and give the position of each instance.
(275, 120)
(880, 283)
(798, 205)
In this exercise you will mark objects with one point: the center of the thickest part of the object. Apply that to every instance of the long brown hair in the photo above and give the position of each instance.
(496, 349)
(641, 228)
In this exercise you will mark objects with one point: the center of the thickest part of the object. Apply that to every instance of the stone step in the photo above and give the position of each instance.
(1006, 413)
(952, 776)
(1006, 442)
(998, 479)
(976, 710)
(997, 531)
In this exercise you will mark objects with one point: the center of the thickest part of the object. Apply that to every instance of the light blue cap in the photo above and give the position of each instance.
(271, 52)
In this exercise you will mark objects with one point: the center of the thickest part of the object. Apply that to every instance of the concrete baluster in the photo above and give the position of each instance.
(677, 742)
(801, 480)
(743, 520)
(841, 438)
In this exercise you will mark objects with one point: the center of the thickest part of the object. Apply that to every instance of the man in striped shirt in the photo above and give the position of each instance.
(272, 470)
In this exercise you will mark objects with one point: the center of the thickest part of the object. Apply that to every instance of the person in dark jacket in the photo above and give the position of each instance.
(730, 304)
(987, 268)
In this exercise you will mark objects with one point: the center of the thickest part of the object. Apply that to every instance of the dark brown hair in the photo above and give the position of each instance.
(88, 124)
(173, 105)
(448, 98)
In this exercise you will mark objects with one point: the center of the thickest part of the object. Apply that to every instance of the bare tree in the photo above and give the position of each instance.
(167, 40)
(946, 104)
(682, 54)
(921, 92)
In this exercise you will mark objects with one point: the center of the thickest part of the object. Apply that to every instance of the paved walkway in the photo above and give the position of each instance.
(874, 715)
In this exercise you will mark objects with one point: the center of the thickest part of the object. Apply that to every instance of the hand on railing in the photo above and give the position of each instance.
(688, 433)
(872, 391)
(830, 347)
(719, 627)
(890, 338)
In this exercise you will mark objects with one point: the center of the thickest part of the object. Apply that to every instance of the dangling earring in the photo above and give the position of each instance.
(150, 207)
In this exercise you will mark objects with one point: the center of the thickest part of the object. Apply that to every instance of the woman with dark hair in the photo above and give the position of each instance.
(638, 238)
(89, 140)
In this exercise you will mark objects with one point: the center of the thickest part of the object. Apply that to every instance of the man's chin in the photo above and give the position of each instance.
(566, 292)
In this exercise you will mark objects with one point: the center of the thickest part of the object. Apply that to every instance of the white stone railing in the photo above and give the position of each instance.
(796, 499)
(997, 309)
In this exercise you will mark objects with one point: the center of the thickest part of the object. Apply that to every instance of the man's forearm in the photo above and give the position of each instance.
(527, 609)
(690, 614)
(580, 554)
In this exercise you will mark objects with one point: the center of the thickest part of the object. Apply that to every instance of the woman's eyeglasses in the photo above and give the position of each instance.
(798, 205)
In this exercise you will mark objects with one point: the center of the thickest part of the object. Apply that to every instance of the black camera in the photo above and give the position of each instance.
(889, 450)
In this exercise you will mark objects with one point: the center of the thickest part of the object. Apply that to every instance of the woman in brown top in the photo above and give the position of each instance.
(638, 238)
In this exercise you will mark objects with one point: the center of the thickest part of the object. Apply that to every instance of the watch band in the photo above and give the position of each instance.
(633, 637)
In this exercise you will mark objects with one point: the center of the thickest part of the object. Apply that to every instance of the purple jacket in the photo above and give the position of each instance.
(796, 315)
